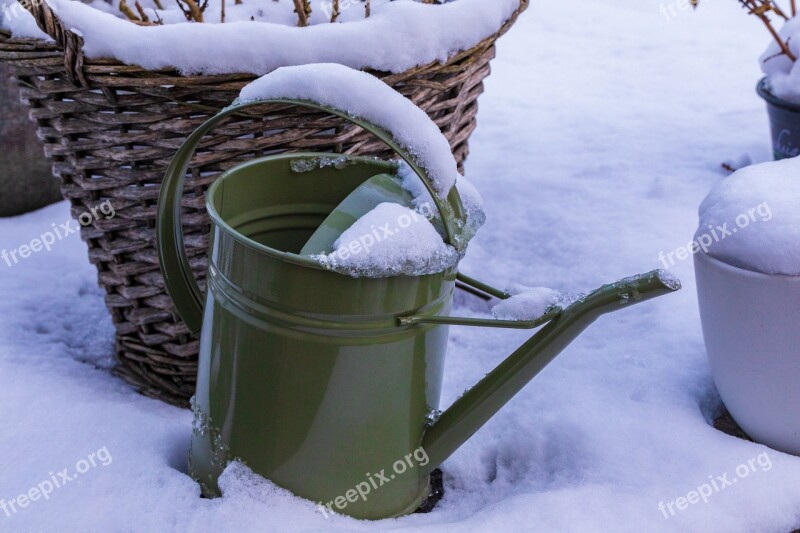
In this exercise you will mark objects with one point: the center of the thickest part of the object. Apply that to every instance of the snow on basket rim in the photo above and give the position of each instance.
(364, 96)
(400, 36)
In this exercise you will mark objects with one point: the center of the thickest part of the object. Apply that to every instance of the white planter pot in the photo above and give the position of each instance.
(751, 325)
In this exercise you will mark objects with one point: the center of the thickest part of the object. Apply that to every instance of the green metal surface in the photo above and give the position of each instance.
(321, 382)
(481, 402)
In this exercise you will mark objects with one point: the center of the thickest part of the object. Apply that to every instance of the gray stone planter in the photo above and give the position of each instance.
(26, 182)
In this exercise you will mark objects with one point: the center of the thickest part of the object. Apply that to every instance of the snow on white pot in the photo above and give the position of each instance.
(748, 286)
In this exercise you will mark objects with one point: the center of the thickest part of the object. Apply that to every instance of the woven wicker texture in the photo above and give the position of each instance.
(111, 129)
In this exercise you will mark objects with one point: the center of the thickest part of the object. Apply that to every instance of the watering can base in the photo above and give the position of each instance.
(430, 494)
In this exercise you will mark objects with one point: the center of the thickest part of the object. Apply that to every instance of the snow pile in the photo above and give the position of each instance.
(752, 218)
(388, 241)
(398, 36)
(412, 242)
(364, 96)
(526, 303)
(783, 75)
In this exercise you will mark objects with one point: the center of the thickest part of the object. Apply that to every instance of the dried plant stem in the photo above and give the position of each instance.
(793, 5)
(128, 12)
(141, 19)
(367, 9)
(772, 5)
(222, 12)
(238, 2)
(760, 10)
(335, 11)
(158, 4)
(193, 11)
(303, 10)
(140, 9)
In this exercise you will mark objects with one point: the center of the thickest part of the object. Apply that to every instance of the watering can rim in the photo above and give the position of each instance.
(289, 257)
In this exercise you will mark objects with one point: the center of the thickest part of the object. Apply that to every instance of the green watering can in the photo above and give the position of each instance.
(326, 384)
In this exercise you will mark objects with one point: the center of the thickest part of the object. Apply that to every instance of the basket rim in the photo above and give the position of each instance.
(155, 350)
(71, 44)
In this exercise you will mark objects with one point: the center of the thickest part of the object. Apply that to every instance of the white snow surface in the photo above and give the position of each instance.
(362, 95)
(761, 206)
(410, 245)
(526, 303)
(602, 128)
(399, 35)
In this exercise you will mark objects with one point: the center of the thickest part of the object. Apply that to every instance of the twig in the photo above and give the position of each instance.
(192, 11)
(793, 5)
(133, 17)
(367, 9)
(777, 54)
(222, 12)
(303, 10)
(128, 12)
(772, 5)
(158, 4)
(140, 9)
(335, 11)
(760, 10)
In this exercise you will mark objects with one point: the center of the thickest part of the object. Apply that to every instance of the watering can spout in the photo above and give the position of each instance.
(472, 410)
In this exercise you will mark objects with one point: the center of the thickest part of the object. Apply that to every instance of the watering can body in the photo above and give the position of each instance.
(326, 384)
(303, 372)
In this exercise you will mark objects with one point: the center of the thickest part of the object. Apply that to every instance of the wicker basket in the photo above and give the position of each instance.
(111, 130)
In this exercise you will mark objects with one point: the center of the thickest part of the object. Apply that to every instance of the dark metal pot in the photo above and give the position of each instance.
(784, 118)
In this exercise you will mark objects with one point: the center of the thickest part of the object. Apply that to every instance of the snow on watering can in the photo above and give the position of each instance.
(323, 382)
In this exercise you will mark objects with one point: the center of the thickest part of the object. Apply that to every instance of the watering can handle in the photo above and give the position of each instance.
(175, 266)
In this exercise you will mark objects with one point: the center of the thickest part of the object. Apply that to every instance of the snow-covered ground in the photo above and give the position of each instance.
(603, 127)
